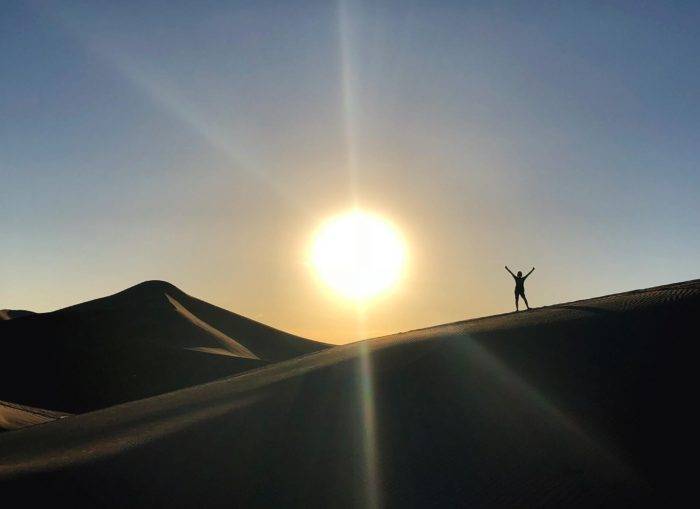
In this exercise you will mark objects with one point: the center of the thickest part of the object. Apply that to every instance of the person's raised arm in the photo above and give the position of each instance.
(511, 272)
(531, 271)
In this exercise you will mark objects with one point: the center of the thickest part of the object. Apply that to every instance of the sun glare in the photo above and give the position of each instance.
(358, 254)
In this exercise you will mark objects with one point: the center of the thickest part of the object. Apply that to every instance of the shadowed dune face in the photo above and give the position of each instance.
(144, 341)
(567, 406)
(9, 314)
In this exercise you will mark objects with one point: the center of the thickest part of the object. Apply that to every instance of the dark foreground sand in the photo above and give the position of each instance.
(577, 405)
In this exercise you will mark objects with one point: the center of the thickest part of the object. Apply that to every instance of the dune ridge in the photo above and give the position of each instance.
(231, 346)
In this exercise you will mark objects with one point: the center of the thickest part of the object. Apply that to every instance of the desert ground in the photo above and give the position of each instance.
(153, 398)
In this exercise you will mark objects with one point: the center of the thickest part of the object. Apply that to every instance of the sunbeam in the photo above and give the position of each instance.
(348, 81)
(366, 395)
(366, 400)
(525, 392)
(163, 93)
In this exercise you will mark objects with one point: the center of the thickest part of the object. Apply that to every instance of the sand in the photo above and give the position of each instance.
(149, 339)
(13, 416)
(575, 405)
(231, 346)
(9, 314)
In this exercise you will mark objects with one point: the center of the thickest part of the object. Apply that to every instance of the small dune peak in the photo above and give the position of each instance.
(9, 314)
(154, 285)
(146, 293)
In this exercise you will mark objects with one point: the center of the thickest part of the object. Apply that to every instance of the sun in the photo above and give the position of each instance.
(358, 254)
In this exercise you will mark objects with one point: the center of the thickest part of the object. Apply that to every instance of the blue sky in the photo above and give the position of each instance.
(203, 142)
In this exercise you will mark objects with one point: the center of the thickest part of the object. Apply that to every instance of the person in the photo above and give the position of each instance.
(520, 286)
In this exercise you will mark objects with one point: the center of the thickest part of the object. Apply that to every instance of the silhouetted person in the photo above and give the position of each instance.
(520, 286)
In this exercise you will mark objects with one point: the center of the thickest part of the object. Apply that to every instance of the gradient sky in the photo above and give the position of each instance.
(203, 142)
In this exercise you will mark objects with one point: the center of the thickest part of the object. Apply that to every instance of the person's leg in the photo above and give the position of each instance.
(517, 308)
(525, 299)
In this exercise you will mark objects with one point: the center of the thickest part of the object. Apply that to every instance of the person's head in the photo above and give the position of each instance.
(520, 273)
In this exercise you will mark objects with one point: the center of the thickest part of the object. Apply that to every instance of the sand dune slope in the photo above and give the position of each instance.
(576, 405)
(227, 344)
(149, 339)
(14, 416)
(9, 314)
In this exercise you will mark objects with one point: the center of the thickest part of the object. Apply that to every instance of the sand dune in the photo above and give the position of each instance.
(9, 314)
(575, 405)
(149, 339)
(13, 416)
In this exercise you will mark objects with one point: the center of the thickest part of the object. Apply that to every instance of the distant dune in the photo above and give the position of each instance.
(9, 314)
(582, 404)
(148, 339)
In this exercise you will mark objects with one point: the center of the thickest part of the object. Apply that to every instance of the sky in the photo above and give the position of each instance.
(203, 143)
